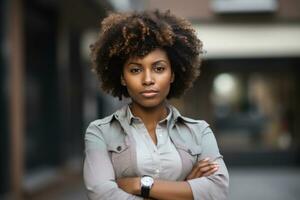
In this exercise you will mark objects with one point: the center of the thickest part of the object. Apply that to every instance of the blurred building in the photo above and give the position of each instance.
(249, 87)
(248, 90)
(44, 91)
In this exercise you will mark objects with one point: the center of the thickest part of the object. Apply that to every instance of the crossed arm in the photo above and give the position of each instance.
(175, 190)
(101, 184)
(204, 182)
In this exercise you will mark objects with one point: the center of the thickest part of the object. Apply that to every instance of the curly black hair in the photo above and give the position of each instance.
(124, 35)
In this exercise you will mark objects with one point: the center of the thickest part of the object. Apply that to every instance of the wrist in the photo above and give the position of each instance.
(137, 186)
(146, 185)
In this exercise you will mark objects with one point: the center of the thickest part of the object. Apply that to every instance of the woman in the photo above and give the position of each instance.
(147, 149)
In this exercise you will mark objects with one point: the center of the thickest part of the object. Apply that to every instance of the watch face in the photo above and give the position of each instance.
(147, 181)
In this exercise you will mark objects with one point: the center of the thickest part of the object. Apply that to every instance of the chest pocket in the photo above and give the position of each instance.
(120, 158)
(190, 153)
(189, 157)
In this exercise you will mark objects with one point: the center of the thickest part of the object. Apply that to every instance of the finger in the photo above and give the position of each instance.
(206, 168)
(198, 174)
(202, 164)
(211, 164)
(195, 171)
(202, 170)
(205, 160)
(192, 173)
(210, 172)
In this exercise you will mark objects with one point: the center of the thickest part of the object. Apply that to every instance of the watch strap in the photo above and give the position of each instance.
(145, 191)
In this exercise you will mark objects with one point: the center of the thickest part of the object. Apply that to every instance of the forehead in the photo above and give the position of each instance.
(155, 55)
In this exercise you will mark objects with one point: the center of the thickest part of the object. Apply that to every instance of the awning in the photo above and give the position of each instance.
(250, 40)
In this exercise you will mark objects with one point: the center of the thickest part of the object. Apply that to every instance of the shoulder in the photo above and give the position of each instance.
(108, 120)
(108, 124)
(193, 121)
(103, 121)
(201, 124)
(180, 118)
(99, 126)
(199, 130)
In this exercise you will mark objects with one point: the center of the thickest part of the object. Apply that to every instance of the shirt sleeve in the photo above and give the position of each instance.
(98, 172)
(215, 186)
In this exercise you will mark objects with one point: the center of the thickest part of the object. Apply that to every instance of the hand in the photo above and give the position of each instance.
(130, 185)
(203, 168)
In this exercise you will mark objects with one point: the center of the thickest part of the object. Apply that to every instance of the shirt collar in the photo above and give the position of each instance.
(130, 117)
(175, 112)
(124, 115)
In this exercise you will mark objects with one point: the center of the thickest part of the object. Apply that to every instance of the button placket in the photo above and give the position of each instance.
(157, 171)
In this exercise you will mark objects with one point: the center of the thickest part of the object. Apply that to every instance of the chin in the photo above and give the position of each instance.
(151, 103)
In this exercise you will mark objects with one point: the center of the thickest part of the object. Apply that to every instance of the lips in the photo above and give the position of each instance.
(149, 93)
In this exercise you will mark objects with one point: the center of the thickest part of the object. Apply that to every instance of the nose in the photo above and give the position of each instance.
(148, 78)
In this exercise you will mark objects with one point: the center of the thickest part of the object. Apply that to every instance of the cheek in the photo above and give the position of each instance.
(167, 80)
(131, 85)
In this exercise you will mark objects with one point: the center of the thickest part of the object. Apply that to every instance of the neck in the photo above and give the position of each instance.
(150, 116)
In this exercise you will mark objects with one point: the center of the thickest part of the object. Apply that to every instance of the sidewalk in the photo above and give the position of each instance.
(264, 183)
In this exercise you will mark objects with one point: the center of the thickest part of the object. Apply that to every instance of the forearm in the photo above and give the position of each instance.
(213, 185)
(161, 189)
(203, 188)
(100, 185)
(171, 190)
(112, 193)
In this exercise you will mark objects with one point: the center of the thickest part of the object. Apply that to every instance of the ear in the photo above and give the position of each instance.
(123, 81)
(172, 77)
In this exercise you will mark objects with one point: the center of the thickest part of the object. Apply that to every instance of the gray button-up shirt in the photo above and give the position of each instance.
(110, 153)
(161, 160)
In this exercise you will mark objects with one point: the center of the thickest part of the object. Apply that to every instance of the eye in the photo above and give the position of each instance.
(159, 67)
(135, 70)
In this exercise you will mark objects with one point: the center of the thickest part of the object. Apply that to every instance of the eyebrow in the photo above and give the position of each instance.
(133, 63)
(161, 61)
(136, 63)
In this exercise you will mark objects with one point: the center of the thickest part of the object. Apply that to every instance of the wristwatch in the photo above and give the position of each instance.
(146, 184)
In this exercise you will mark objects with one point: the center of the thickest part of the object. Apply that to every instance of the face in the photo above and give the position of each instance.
(148, 79)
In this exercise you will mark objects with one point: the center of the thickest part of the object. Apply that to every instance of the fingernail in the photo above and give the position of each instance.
(206, 159)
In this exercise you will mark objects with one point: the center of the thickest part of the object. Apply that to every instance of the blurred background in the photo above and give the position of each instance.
(249, 91)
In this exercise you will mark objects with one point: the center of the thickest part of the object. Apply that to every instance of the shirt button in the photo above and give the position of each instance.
(190, 151)
(157, 171)
(119, 148)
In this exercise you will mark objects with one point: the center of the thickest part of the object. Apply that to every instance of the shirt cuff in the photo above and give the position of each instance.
(209, 188)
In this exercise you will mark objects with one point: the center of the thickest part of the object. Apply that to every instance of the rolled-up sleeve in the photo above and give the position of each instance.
(98, 172)
(216, 186)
